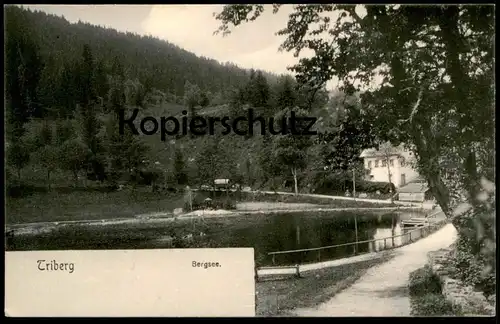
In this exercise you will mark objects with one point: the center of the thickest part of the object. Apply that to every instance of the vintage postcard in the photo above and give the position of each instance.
(280, 160)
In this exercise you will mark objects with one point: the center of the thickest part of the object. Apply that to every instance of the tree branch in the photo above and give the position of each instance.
(415, 108)
(352, 11)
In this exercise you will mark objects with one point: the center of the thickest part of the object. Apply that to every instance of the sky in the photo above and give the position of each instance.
(251, 45)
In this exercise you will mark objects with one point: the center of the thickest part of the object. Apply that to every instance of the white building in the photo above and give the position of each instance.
(221, 183)
(390, 164)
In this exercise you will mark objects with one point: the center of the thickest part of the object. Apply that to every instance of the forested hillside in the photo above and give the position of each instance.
(66, 84)
(149, 61)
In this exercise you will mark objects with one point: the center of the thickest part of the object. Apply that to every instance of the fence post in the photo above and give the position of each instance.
(297, 272)
(274, 261)
(319, 255)
(410, 235)
(385, 244)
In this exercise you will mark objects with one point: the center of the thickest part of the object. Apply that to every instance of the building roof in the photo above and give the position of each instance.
(414, 187)
(418, 179)
(221, 181)
(391, 150)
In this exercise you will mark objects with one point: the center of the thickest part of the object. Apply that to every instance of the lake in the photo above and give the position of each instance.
(265, 233)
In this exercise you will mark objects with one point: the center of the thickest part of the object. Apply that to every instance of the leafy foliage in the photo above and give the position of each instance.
(474, 270)
(73, 154)
(432, 304)
(192, 97)
(18, 155)
(434, 89)
(425, 295)
(181, 175)
(213, 161)
(290, 150)
(423, 281)
(343, 133)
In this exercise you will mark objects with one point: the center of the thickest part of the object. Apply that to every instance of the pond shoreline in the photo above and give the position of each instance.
(45, 227)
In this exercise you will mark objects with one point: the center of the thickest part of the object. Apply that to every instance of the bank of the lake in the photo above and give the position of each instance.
(67, 204)
(74, 205)
(264, 231)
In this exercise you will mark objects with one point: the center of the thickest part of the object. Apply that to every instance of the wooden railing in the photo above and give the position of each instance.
(411, 236)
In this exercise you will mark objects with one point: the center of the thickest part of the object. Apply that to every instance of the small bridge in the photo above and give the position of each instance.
(419, 221)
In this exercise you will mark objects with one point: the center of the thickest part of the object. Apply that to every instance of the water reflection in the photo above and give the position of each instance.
(264, 233)
(382, 233)
(294, 231)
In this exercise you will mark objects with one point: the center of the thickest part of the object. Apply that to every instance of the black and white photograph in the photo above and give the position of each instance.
(351, 146)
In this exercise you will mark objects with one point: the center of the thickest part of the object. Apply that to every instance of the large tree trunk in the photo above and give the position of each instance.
(389, 172)
(453, 41)
(389, 175)
(48, 179)
(296, 187)
(473, 223)
(420, 134)
(390, 179)
(430, 167)
(75, 178)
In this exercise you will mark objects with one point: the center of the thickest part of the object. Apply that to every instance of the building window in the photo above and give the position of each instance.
(369, 164)
(391, 162)
(402, 161)
(376, 163)
(384, 163)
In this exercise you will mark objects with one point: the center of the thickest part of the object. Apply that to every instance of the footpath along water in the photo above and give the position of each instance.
(383, 291)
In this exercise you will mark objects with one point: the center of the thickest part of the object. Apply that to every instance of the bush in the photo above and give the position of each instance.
(423, 281)
(471, 270)
(19, 189)
(338, 184)
(146, 176)
(224, 203)
(432, 304)
(426, 295)
(370, 187)
(329, 184)
(199, 202)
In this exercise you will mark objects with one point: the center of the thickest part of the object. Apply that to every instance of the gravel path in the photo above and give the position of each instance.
(382, 291)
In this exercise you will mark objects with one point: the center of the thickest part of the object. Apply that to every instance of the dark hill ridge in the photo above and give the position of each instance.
(165, 65)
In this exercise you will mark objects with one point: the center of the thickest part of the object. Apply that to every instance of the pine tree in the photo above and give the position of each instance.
(261, 91)
(180, 167)
(87, 112)
(101, 82)
(286, 97)
(192, 95)
(124, 151)
(23, 73)
(67, 91)
(116, 92)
